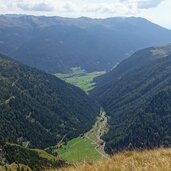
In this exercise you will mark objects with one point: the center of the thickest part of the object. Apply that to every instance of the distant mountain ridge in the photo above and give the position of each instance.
(39, 108)
(137, 97)
(56, 44)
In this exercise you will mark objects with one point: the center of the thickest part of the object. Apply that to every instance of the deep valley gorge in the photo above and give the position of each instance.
(84, 94)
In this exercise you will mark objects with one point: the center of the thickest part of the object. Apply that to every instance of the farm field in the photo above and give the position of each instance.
(79, 149)
(80, 78)
(89, 147)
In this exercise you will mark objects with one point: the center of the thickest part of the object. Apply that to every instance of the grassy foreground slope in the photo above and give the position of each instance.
(148, 160)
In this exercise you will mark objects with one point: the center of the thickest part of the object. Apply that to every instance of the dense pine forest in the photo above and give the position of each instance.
(41, 109)
(84, 93)
(137, 99)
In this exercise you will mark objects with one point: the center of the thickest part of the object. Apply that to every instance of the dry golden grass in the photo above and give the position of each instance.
(148, 160)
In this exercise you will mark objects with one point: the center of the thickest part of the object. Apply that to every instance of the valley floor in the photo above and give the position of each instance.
(89, 147)
(148, 160)
(80, 78)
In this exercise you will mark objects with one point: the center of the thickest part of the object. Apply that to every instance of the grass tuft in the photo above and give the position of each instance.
(148, 160)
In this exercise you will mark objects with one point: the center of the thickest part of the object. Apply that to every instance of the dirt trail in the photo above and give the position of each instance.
(101, 130)
(97, 132)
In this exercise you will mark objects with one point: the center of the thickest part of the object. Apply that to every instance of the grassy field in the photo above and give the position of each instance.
(79, 149)
(80, 78)
(87, 147)
(148, 160)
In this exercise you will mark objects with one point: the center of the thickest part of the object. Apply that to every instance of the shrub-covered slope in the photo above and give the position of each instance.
(137, 97)
(17, 158)
(40, 108)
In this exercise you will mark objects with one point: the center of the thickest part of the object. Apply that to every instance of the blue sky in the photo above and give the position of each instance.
(157, 11)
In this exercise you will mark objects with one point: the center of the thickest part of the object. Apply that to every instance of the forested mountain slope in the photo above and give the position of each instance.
(56, 44)
(137, 60)
(137, 97)
(39, 108)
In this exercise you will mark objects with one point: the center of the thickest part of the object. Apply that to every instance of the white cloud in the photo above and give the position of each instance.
(90, 8)
(142, 4)
(148, 4)
(36, 7)
(78, 7)
(160, 15)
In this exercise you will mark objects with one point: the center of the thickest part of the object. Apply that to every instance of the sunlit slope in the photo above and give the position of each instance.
(152, 160)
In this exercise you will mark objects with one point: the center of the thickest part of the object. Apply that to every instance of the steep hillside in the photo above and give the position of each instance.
(153, 160)
(137, 97)
(137, 60)
(40, 109)
(56, 44)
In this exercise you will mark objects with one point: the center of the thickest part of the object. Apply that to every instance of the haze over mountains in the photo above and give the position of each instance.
(56, 44)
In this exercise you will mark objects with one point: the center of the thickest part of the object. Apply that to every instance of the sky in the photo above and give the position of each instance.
(157, 11)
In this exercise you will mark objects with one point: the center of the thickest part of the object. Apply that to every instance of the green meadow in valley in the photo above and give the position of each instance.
(80, 78)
